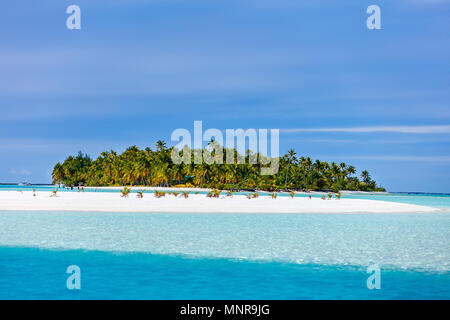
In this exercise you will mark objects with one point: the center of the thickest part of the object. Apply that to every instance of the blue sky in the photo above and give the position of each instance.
(137, 70)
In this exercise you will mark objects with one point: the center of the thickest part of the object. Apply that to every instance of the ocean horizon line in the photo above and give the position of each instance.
(315, 191)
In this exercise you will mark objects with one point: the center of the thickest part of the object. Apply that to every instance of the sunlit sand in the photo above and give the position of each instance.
(196, 203)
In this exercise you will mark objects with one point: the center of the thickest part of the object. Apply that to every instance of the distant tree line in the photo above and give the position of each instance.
(155, 168)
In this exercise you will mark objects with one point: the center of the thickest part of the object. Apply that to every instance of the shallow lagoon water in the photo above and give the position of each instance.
(402, 241)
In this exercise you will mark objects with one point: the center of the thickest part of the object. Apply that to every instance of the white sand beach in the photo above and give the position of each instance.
(113, 202)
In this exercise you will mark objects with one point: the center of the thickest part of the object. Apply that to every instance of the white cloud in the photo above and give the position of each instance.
(427, 1)
(390, 158)
(22, 172)
(375, 129)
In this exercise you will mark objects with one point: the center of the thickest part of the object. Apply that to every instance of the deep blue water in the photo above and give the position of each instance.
(31, 273)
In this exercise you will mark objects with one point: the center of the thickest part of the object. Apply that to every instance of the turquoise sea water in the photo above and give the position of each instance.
(40, 274)
(236, 256)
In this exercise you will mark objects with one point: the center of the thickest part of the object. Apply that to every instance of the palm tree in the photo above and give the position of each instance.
(365, 176)
(147, 167)
(58, 173)
(291, 156)
(160, 145)
(351, 170)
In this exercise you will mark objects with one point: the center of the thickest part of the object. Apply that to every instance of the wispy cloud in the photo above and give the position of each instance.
(405, 158)
(389, 158)
(427, 1)
(374, 129)
(22, 172)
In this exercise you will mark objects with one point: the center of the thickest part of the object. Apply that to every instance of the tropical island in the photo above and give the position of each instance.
(149, 181)
(136, 167)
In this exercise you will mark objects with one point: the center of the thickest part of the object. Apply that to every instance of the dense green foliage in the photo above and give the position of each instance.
(156, 168)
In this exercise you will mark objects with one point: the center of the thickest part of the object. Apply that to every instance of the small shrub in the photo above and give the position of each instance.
(140, 194)
(159, 194)
(175, 194)
(292, 194)
(125, 192)
(339, 195)
(274, 195)
(229, 193)
(54, 193)
(330, 195)
(185, 194)
(186, 185)
(323, 198)
(214, 193)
